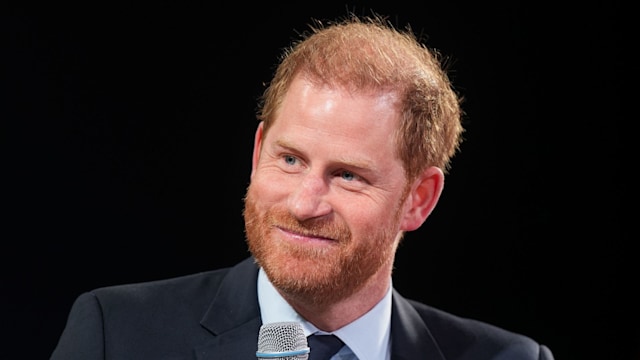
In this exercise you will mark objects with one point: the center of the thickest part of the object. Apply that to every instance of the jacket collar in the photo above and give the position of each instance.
(234, 316)
(411, 339)
(234, 320)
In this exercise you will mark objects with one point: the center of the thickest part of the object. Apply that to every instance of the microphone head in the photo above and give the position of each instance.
(282, 341)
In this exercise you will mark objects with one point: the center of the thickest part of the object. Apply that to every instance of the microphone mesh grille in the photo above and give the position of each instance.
(282, 336)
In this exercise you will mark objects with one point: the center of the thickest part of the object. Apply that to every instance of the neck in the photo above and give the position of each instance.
(333, 316)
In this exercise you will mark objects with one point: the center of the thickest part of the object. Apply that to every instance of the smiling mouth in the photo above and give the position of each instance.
(303, 235)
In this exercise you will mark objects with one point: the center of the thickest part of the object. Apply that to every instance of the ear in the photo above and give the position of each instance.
(257, 144)
(422, 198)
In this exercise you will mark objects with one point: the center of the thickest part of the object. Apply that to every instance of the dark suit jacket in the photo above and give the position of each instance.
(215, 315)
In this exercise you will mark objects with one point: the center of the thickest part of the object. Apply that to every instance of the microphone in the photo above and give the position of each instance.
(282, 341)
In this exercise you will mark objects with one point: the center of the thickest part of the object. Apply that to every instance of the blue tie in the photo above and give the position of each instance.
(323, 347)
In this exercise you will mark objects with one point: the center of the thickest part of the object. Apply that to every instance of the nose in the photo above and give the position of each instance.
(308, 199)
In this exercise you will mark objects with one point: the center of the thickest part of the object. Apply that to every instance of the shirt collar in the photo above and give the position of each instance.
(368, 336)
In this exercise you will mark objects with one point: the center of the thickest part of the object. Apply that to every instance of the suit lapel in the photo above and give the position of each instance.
(234, 316)
(410, 336)
(234, 322)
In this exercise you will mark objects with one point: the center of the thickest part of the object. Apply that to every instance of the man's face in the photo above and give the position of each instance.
(323, 210)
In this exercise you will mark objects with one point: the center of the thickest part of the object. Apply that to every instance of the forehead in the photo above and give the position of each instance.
(320, 104)
(338, 122)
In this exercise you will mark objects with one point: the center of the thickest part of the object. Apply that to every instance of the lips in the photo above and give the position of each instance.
(304, 235)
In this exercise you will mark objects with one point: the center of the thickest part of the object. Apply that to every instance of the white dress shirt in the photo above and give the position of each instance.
(366, 338)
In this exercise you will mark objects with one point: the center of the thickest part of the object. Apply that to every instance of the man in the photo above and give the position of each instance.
(356, 133)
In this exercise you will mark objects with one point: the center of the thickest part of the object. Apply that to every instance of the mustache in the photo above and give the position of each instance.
(322, 228)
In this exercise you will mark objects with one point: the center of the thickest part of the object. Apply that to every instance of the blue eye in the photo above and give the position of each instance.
(291, 160)
(349, 176)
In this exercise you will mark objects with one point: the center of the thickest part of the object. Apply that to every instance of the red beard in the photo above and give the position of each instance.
(319, 275)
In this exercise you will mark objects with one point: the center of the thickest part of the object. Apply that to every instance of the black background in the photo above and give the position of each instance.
(126, 140)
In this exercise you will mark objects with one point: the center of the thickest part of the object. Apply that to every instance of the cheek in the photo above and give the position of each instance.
(364, 219)
(269, 189)
(378, 216)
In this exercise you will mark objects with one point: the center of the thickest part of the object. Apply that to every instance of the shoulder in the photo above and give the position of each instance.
(118, 318)
(192, 291)
(465, 338)
(188, 294)
(184, 297)
(159, 289)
